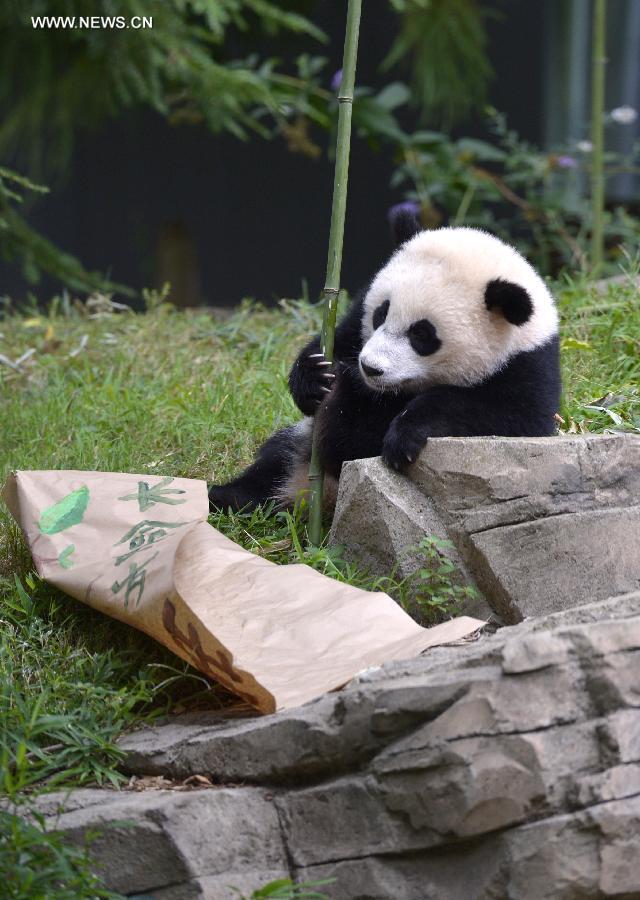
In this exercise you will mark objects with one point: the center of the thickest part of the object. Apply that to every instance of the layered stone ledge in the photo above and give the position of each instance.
(504, 767)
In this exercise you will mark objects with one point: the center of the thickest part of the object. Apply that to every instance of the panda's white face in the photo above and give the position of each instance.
(452, 306)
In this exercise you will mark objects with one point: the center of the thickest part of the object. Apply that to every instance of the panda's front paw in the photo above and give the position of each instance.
(401, 445)
(311, 381)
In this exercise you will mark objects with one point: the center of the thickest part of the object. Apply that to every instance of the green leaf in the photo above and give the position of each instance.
(393, 95)
(481, 150)
(375, 120)
(427, 138)
(273, 887)
(570, 343)
(615, 417)
(67, 512)
(23, 181)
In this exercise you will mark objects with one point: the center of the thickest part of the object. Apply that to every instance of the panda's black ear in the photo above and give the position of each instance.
(404, 221)
(511, 299)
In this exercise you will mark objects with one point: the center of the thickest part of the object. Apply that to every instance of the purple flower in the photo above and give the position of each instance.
(408, 206)
(336, 81)
(566, 162)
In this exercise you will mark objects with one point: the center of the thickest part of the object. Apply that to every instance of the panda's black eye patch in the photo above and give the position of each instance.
(423, 337)
(380, 314)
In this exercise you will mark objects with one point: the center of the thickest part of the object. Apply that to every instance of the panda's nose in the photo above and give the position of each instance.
(370, 371)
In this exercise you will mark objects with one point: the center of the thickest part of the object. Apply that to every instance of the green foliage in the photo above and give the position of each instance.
(530, 198)
(183, 68)
(444, 42)
(19, 241)
(180, 67)
(36, 864)
(57, 81)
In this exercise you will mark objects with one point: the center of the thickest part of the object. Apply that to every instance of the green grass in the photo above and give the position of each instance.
(186, 394)
(601, 357)
(166, 392)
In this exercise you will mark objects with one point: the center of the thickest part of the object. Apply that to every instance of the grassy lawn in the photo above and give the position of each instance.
(189, 394)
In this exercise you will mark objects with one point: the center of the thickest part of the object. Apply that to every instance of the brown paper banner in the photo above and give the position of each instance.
(139, 548)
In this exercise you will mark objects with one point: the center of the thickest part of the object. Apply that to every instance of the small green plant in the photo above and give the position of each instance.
(155, 299)
(435, 586)
(285, 889)
(36, 864)
(432, 591)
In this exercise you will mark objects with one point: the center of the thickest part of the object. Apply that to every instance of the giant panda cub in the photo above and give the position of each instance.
(456, 336)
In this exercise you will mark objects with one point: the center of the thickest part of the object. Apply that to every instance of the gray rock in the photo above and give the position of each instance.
(380, 517)
(530, 569)
(554, 859)
(219, 887)
(506, 767)
(568, 857)
(305, 744)
(148, 841)
(399, 515)
(539, 524)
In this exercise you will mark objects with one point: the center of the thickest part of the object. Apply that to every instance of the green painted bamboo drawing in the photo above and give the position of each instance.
(64, 557)
(144, 535)
(150, 495)
(134, 581)
(65, 513)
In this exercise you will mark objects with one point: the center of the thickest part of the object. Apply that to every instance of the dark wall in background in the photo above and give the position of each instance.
(254, 216)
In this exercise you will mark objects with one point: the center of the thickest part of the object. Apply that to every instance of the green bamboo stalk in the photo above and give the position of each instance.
(336, 234)
(598, 67)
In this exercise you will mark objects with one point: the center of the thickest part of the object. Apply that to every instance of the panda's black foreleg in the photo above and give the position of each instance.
(504, 405)
(261, 481)
(441, 411)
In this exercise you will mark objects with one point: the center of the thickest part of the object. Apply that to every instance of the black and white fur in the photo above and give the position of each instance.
(456, 336)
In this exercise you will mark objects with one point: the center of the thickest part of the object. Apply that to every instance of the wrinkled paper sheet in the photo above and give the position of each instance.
(139, 548)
